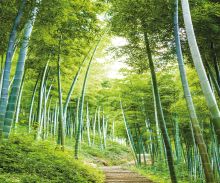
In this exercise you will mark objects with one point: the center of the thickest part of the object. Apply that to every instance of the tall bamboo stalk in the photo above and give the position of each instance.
(88, 124)
(129, 135)
(74, 83)
(82, 100)
(216, 63)
(213, 79)
(40, 97)
(32, 104)
(61, 133)
(161, 119)
(19, 101)
(7, 68)
(12, 101)
(209, 96)
(94, 127)
(191, 109)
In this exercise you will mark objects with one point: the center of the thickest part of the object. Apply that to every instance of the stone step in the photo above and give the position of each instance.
(124, 172)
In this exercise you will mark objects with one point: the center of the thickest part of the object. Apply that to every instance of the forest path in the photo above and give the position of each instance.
(116, 174)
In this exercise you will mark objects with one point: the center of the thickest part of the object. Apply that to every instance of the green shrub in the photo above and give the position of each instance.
(26, 161)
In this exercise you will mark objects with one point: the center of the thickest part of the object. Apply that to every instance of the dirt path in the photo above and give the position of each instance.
(116, 174)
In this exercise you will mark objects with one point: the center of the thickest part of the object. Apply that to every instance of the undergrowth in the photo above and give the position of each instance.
(24, 160)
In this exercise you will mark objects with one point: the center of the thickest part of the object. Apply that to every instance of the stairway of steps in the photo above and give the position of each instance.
(116, 174)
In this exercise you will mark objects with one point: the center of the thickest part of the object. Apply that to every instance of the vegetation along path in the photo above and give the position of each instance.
(116, 174)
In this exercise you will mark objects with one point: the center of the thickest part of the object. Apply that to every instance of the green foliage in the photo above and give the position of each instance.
(23, 160)
(159, 173)
(113, 154)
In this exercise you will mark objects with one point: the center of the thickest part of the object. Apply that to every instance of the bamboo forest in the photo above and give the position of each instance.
(109, 91)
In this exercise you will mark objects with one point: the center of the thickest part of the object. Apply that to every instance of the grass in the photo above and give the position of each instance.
(113, 154)
(159, 173)
(24, 160)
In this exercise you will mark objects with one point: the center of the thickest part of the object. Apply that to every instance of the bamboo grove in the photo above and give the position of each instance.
(49, 61)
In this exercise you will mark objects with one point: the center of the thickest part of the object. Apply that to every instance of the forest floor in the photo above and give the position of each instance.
(117, 174)
(24, 160)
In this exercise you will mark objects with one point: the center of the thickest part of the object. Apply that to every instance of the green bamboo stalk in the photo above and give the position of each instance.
(82, 99)
(1, 82)
(44, 115)
(94, 127)
(41, 124)
(88, 124)
(161, 119)
(216, 63)
(178, 149)
(191, 109)
(19, 104)
(19, 100)
(7, 68)
(40, 99)
(61, 133)
(99, 127)
(113, 130)
(55, 119)
(209, 96)
(159, 138)
(11, 106)
(32, 104)
(74, 83)
(130, 138)
(214, 81)
(103, 129)
(77, 116)
(147, 122)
